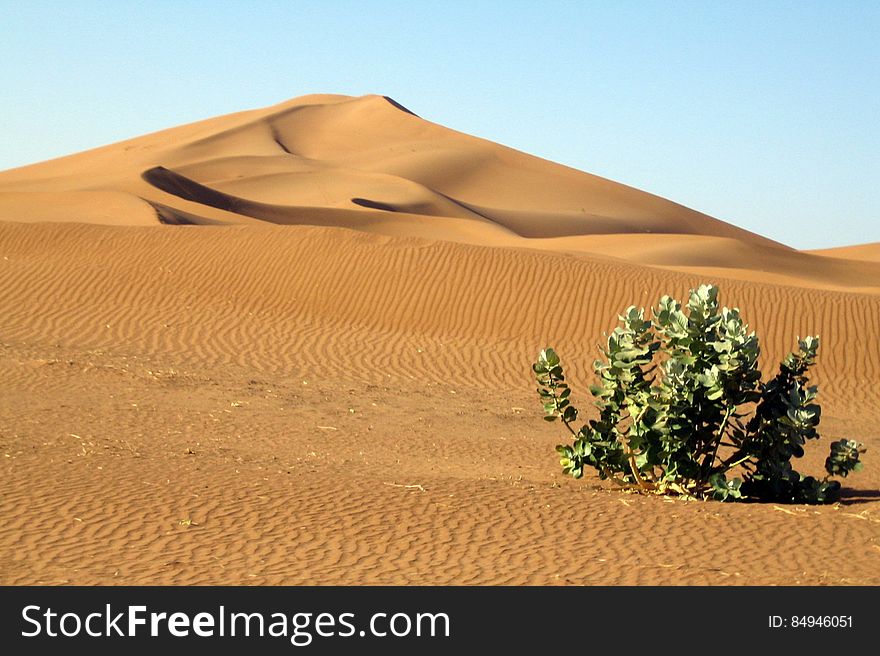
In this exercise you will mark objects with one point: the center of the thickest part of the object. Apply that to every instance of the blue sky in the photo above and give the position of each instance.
(763, 114)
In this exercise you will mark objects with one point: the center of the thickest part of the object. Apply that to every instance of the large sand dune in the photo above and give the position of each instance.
(292, 345)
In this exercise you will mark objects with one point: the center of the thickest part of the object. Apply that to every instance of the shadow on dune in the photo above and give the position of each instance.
(373, 204)
(176, 184)
(399, 106)
(520, 224)
(852, 496)
(170, 216)
(182, 187)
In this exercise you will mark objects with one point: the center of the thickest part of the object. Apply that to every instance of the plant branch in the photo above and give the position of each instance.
(554, 386)
(707, 463)
(631, 458)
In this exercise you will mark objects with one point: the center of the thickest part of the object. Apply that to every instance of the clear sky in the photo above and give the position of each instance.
(764, 114)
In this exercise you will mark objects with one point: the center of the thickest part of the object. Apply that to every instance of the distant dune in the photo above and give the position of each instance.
(368, 163)
(292, 345)
(867, 252)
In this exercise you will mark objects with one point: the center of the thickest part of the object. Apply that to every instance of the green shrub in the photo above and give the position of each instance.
(682, 406)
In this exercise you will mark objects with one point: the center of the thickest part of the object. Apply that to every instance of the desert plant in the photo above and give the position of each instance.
(682, 406)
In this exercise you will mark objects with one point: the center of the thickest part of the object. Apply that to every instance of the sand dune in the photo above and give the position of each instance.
(868, 252)
(292, 345)
(330, 151)
(369, 164)
(358, 154)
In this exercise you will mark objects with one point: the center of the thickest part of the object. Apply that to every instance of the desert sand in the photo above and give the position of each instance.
(293, 345)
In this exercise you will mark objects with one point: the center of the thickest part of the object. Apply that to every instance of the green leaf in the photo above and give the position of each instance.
(715, 394)
(549, 358)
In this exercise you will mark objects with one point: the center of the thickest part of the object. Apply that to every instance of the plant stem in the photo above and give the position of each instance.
(554, 386)
(738, 462)
(631, 456)
(707, 463)
(611, 477)
(730, 464)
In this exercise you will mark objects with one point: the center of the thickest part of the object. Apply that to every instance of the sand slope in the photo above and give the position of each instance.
(313, 390)
(359, 156)
(867, 252)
